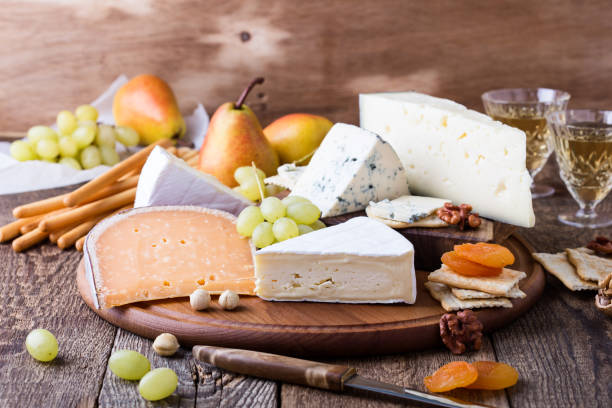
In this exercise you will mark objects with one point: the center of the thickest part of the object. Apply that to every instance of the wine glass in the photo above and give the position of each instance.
(583, 146)
(526, 109)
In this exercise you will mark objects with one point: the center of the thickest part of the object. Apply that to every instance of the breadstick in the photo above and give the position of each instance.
(80, 242)
(181, 151)
(39, 207)
(73, 234)
(30, 226)
(190, 155)
(137, 160)
(171, 150)
(11, 230)
(27, 240)
(55, 235)
(36, 223)
(114, 188)
(92, 209)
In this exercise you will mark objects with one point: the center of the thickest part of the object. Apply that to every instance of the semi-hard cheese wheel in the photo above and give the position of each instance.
(165, 252)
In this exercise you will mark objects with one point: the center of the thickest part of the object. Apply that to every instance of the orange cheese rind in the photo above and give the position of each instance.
(164, 252)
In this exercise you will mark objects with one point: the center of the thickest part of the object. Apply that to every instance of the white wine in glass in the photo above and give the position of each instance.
(526, 109)
(583, 145)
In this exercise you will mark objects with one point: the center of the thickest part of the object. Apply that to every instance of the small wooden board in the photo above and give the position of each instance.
(319, 329)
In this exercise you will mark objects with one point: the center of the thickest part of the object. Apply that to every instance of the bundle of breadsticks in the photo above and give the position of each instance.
(66, 219)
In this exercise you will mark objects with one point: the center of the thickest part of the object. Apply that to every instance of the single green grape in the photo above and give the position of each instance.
(303, 213)
(272, 209)
(304, 229)
(84, 135)
(250, 189)
(21, 150)
(90, 157)
(127, 136)
(38, 133)
(292, 199)
(68, 147)
(248, 219)
(47, 149)
(317, 225)
(70, 161)
(109, 155)
(86, 112)
(128, 364)
(246, 173)
(272, 189)
(263, 235)
(158, 384)
(106, 136)
(285, 228)
(42, 345)
(66, 122)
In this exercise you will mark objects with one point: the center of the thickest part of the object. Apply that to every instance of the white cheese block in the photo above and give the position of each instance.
(351, 168)
(407, 209)
(287, 176)
(167, 180)
(359, 261)
(452, 152)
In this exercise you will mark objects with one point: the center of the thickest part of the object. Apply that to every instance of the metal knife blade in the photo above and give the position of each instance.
(358, 382)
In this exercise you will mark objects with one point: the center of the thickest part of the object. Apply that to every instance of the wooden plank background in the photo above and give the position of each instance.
(316, 55)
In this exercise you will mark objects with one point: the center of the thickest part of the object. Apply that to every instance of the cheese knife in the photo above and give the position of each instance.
(313, 374)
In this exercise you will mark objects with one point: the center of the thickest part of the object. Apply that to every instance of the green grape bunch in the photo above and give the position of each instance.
(79, 141)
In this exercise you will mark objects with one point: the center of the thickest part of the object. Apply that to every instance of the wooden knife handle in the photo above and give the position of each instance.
(276, 367)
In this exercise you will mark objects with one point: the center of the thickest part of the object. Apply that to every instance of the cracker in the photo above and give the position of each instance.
(559, 266)
(500, 285)
(588, 265)
(467, 294)
(449, 302)
(432, 221)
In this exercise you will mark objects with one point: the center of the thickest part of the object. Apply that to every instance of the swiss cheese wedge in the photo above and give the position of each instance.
(165, 252)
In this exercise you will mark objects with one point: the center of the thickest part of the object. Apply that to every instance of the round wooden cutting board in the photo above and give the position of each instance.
(321, 329)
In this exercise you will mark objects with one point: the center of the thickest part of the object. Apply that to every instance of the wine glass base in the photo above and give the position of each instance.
(541, 190)
(598, 221)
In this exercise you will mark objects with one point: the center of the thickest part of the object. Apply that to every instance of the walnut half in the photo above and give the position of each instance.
(461, 332)
(461, 215)
(603, 299)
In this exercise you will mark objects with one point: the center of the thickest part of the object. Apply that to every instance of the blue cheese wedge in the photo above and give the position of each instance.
(167, 180)
(452, 152)
(351, 168)
(359, 261)
(408, 209)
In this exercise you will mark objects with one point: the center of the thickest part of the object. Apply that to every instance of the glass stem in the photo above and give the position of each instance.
(587, 211)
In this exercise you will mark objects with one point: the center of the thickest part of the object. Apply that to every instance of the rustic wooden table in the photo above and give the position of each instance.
(562, 348)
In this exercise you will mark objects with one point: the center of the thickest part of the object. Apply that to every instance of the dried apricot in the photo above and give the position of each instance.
(493, 376)
(492, 255)
(450, 376)
(467, 268)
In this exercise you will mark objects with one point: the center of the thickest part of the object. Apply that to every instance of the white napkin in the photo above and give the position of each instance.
(17, 177)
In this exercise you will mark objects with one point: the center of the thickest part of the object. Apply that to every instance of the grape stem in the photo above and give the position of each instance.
(259, 187)
(240, 101)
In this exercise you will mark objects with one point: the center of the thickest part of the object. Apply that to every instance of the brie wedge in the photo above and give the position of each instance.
(351, 168)
(167, 180)
(359, 261)
(452, 152)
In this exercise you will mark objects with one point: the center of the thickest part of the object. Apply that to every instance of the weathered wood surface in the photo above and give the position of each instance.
(316, 55)
(561, 347)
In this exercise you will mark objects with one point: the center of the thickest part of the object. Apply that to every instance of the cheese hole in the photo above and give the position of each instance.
(135, 229)
(387, 129)
(297, 276)
(201, 281)
(429, 147)
(444, 121)
(501, 187)
(182, 241)
(154, 245)
(296, 285)
(211, 277)
(466, 154)
(411, 166)
(462, 136)
(274, 280)
(166, 283)
(164, 240)
(505, 152)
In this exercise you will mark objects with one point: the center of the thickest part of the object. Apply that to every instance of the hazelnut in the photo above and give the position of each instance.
(229, 299)
(199, 299)
(165, 344)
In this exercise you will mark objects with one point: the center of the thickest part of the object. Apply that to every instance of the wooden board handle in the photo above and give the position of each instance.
(276, 367)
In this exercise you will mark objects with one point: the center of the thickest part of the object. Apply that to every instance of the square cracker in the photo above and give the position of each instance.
(559, 266)
(588, 265)
(500, 285)
(449, 302)
(467, 294)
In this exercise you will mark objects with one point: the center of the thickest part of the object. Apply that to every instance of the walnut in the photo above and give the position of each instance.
(603, 299)
(461, 215)
(461, 332)
(601, 244)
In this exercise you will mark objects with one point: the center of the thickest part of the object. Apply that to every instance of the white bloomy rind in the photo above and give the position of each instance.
(167, 180)
(351, 168)
(359, 261)
(452, 152)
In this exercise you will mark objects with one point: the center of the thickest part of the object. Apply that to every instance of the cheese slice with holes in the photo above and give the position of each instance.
(167, 180)
(452, 152)
(359, 261)
(166, 252)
